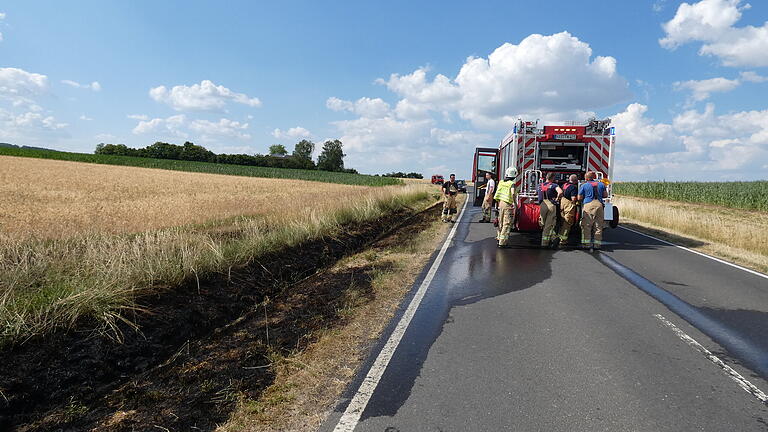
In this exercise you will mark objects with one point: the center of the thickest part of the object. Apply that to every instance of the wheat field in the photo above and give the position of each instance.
(83, 240)
(57, 199)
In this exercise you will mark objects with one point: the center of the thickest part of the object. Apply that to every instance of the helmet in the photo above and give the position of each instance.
(511, 172)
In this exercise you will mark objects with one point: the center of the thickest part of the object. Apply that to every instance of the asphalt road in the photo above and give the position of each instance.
(525, 339)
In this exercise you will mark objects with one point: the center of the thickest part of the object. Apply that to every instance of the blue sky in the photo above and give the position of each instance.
(406, 86)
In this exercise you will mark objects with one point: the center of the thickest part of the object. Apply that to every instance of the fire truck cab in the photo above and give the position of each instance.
(486, 161)
(570, 148)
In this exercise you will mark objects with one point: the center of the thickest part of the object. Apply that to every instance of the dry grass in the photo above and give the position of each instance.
(309, 383)
(739, 236)
(58, 199)
(60, 259)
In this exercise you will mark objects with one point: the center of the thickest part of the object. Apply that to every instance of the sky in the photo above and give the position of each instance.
(406, 86)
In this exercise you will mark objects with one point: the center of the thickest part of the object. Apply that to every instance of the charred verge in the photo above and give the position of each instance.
(202, 347)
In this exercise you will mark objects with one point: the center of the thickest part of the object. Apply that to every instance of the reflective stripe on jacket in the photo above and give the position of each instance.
(505, 191)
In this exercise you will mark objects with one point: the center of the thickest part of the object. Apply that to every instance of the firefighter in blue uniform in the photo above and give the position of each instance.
(591, 195)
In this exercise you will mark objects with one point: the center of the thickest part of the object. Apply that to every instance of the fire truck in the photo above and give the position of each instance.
(570, 148)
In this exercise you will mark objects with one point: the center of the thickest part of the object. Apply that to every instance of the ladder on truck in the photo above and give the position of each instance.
(531, 174)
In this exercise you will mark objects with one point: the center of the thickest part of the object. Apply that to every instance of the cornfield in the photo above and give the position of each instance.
(206, 167)
(744, 195)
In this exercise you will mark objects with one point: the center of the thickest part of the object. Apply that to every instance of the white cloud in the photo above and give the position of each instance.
(711, 22)
(222, 128)
(294, 132)
(713, 146)
(95, 86)
(753, 77)
(639, 132)
(178, 126)
(493, 92)
(85, 118)
(33, 119)
(170, 126)
(16, 83)
(205, 96)
(701, 90)
(364, 107)
(2, 17)
(388, 143)
(30, 127)
(552, 77)
(138, 116)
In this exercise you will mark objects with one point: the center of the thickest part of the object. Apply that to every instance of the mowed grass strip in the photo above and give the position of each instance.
(52, 281)
(745, 195)
(206, 167)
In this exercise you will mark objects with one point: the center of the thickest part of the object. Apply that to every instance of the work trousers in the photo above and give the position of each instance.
(506, 221)
(592, 221)
(567, 218)
(449, 206)
(548, 219)
(487, 208)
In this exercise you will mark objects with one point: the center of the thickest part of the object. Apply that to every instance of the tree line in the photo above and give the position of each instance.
(413, 175)
(331, 157)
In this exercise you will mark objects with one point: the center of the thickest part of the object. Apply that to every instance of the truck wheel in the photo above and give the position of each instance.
(615, 221)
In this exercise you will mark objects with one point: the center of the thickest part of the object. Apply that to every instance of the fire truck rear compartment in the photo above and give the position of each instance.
(566, 157)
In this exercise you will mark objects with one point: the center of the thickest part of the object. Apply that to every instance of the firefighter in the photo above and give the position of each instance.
(507, 197)
(549, 195)
(490, 190)
(591, 195)
(450, 190)
(568, 208)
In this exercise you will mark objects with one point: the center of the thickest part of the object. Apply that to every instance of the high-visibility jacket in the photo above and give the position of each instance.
(505, 191)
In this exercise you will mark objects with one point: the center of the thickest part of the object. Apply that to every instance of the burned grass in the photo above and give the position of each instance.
(204, 351)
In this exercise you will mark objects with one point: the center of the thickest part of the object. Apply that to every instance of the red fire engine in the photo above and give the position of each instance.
(570, 148)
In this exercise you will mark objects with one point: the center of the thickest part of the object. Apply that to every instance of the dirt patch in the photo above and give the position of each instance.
(204, 347)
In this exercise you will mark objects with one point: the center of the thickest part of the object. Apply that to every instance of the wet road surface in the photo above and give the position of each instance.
(541, 340)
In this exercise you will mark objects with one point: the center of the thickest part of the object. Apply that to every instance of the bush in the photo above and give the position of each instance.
(413, 175)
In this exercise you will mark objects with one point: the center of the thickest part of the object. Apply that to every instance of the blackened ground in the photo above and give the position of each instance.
(200, 350)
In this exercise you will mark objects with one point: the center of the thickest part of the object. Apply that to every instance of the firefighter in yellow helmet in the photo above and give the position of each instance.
(568, 208)
(549, 196)
(506, 195)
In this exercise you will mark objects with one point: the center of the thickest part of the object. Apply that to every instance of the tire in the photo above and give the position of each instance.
(615, 221)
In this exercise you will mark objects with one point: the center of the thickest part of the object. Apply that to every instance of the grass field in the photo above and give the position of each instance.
(82, 240)
(740, 236)
(744, 195)
(205, 167)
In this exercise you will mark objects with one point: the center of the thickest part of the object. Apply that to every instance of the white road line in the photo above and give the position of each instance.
(699, 253)
(351, 416)
(740, 380)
